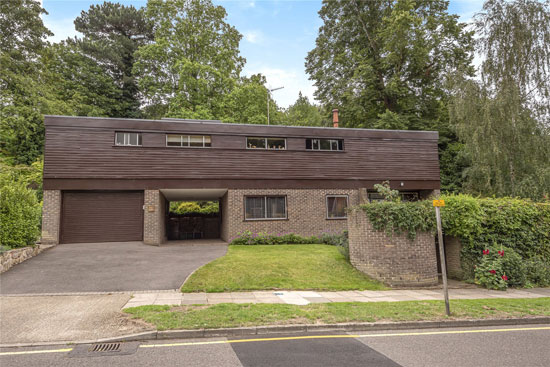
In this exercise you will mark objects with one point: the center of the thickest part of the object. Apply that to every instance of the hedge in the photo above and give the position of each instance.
(481, 223)
(19, 214)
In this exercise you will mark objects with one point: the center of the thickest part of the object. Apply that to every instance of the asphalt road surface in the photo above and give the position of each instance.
(527, 345)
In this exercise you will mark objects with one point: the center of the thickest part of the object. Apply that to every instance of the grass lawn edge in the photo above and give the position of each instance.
(224, 315)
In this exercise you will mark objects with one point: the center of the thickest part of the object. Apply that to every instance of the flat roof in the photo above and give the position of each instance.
(218, 127)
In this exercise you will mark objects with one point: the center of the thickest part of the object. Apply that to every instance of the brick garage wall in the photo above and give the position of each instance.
(453, 246)
(154, 228)
(306, 212)
(395, 260)
(51, 216)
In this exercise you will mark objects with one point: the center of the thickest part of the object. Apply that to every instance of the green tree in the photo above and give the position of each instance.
(384, 63)
(79, 86)
(247, 103)
(504, 118)
(112, 34)
(22, 98)
(194, 61)
(303, 113)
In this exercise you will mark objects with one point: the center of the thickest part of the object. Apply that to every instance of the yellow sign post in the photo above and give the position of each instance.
(437, 205)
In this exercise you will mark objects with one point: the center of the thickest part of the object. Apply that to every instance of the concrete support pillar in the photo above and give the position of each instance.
(51, 217)
(154, 229)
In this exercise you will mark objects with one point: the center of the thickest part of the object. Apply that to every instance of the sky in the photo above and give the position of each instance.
(277, 35)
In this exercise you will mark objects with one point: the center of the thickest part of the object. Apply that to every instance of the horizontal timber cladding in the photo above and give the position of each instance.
(101, 216)
(144, 184)
(83, 148)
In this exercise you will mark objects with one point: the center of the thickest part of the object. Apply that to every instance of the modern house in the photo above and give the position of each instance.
(109, 179)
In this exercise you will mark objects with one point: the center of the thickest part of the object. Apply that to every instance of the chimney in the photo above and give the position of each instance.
(335, 117)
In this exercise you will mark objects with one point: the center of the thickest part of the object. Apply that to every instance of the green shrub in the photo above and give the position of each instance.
(480, 223)
(19, 214)
(489, 273)
(500, 268)
(401, 217)
(538, 272)
(338, 239)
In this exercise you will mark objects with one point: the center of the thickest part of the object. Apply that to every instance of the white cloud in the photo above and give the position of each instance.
(254, 36)
(293, 81)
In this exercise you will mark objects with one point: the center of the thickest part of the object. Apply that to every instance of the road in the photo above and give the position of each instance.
(527, 345)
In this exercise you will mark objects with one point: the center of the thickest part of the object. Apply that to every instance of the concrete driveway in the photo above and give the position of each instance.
(110, 267)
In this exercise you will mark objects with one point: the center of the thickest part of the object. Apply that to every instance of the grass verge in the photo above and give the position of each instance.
(292, 267)
(237, 315)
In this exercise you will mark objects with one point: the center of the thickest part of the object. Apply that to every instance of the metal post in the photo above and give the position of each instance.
(442, 258)
(269, 90)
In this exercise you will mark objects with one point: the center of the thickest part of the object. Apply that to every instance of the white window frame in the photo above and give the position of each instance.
(331, 141)
(189, 141)
(126, 139)
(265, 142)
(264, 197)
(336, 196)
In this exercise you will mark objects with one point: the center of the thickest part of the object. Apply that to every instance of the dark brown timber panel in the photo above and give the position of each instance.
(102, 216)
(82, 148)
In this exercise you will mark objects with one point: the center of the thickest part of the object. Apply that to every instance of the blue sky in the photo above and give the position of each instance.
(277, 35)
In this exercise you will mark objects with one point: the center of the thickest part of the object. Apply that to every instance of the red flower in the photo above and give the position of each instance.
(492, 271)
(501, 253)
(485, 252)
(504, 277)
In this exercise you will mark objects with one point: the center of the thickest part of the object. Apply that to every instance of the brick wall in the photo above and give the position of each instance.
(51, 215)
(224, 212)
(395, 260)
(306, 212)
(453, 246)
(154, 229)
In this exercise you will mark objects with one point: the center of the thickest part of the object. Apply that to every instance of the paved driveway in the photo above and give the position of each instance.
(109, 267)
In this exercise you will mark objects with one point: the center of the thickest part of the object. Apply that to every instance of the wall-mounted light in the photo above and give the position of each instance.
(402, 184)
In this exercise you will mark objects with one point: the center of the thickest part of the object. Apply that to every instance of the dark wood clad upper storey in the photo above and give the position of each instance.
(80, 153)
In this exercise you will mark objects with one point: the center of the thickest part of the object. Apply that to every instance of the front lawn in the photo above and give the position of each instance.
(240, 315)
(291, 267)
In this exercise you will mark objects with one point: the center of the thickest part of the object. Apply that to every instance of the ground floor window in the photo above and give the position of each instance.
(336, 206)
(264, 207)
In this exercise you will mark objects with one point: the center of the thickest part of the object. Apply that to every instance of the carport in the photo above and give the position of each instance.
(193, 226)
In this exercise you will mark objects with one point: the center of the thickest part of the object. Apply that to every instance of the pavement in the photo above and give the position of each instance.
(110, 267)
(63, 318)
(487, 346)
(307, 297)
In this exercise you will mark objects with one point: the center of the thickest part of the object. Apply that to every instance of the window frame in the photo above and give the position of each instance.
(265, 138)
(188, 136)
(245, 219)
(327, 207)
(331, 141)
(127, 133)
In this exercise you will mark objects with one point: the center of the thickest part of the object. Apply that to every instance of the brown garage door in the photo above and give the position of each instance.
(102, 216)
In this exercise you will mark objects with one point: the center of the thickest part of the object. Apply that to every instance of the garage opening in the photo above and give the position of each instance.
(193, 214)
(193, 220)
(101, 216)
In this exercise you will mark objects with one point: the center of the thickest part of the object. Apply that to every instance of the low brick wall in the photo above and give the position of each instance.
(394, 260)
(453, 246)
(18, 255)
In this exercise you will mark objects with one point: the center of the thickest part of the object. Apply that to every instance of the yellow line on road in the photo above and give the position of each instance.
(36, 352)
(297, 338)
(342, 336)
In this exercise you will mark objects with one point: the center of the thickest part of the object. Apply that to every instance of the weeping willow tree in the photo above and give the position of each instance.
(503, 117)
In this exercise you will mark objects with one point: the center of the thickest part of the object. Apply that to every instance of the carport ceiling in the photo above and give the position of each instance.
(193, 194)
